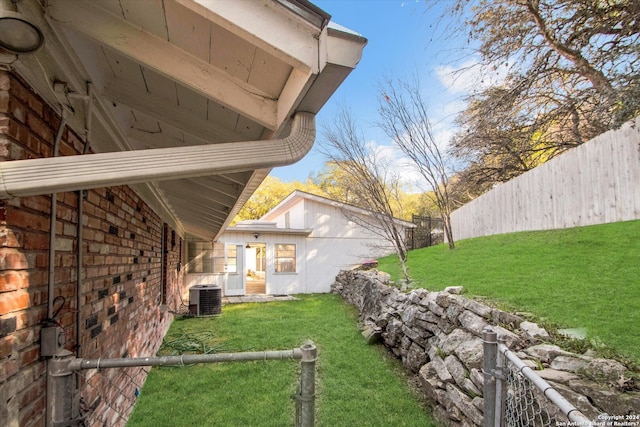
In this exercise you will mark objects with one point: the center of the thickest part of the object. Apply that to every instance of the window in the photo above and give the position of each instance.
(199, 257)
(285, 258)
(232, 259)
(218, 257)
(205, 257)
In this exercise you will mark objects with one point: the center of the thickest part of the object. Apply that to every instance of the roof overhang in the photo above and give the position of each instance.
(170, 74)
(295, 196)
(258, 228)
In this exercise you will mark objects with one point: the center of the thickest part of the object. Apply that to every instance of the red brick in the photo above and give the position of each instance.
(70, 199)
(37, 203)
(10, 238)
(12, 259)
(66, 214)
(76, 142)
(67, 150)
(8, 368)
(36, 105)
(5, 102)
(42, 261)
(38, 297)
(18, 90)
(36, 241)
(39, 127)
(17, 131)
(6, 346)
(38, 278)
(31, 317)
(25, 337)
(32, 412)
(13, 280)
(29, 355)
(46, 150)
(52, 117)
(5, 80)
(13, 301)
(18, 111)
(22, 218)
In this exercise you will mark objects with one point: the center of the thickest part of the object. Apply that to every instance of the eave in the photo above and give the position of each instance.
(178, 74)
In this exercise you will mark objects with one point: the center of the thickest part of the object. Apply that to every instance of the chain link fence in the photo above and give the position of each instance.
(522, 405)
(429, 231)
(515, 396)
(102, 392)
(108, 395)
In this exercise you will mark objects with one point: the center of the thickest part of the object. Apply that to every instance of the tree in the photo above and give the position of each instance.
(372, 184)
(572, 73)
(270, 192)
(403, 117)
(336, 184)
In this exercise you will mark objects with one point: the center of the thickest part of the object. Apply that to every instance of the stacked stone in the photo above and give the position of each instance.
(437, 335)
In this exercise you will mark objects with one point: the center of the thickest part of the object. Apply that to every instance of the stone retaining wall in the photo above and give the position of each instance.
(437, 335)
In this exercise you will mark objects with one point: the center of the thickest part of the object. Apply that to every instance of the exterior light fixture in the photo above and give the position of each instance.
(256, 235)
(17, 33)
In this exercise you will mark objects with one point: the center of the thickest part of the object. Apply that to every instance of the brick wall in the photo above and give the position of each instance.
(122, 312)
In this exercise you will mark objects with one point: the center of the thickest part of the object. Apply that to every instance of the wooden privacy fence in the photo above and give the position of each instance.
(597, 182)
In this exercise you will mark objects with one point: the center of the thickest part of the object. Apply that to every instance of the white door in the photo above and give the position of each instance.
(235, 284)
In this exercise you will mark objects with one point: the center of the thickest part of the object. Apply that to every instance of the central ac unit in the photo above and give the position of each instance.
(205, 300)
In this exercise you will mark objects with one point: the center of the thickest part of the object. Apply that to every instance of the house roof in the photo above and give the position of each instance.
(266, 227)
(170, 74)
(295, 196)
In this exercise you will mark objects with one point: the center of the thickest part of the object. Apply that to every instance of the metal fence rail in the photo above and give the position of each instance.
(105, 403)
(515, 396)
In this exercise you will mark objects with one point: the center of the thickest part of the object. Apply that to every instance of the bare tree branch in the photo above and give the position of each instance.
(371, 182)
(404, 118)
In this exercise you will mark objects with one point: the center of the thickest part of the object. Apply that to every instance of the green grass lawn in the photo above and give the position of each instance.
(580, 277)
(357, 384)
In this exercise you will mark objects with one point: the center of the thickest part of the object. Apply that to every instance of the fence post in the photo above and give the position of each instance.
(501, 389)
(62, 387)
(307, 396)
(490, 353)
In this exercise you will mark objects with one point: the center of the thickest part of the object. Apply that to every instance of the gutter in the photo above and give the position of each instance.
(20, 178)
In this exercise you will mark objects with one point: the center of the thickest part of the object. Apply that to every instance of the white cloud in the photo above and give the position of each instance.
(458, 81)
(394, 161)
(470, 76)
(399, 165)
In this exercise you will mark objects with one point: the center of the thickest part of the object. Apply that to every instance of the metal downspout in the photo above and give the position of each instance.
(21, 178)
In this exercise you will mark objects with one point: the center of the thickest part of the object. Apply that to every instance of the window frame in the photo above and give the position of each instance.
(209, 257)
(290, 258)
(231, 267)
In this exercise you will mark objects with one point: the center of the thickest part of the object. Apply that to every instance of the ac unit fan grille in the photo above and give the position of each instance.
(210, 301)
(205, 300)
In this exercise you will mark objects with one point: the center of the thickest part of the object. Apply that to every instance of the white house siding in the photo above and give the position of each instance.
(326, 242)
(334, 243)
(326, 257)
(297, 217)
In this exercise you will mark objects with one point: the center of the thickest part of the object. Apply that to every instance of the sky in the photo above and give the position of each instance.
(405, 37)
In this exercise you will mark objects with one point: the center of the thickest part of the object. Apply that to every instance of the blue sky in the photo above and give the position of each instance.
(404, 37)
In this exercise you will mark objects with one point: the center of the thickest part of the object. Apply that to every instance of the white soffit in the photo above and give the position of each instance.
(172, 74)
